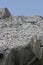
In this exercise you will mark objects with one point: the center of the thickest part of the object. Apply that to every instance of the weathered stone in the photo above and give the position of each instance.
(36, 47)
(20, 56)
(20, 39)
(4, 13)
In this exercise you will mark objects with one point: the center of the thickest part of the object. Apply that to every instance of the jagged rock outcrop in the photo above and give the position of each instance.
(4, 13)
(21, 39)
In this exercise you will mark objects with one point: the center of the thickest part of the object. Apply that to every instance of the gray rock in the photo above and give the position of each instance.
(4, 13)
(20, 38)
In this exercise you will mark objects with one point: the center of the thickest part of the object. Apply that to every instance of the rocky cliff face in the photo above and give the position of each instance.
(21, 39)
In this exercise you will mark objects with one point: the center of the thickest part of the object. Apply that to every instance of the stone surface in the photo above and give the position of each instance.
(20, 38)
(4, 13)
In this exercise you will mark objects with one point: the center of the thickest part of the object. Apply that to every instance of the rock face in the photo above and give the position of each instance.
(21, 39)
(4, 13)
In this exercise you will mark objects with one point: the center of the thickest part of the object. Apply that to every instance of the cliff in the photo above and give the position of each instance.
(21, 39)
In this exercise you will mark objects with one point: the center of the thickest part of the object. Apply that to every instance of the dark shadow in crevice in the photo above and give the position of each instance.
(36, 62)
(1, 56)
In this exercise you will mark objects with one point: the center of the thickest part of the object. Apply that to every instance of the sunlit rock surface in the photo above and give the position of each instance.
(21, 39)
